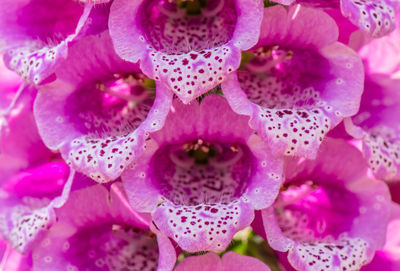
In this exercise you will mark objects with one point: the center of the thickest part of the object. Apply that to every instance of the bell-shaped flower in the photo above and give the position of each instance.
(31, 178)
(190, 46)
(203, 175)
(28, 200)
(97, 230)
(378, 126)
(331, 215)
(100, 109)
(298, 82)
(35, 35)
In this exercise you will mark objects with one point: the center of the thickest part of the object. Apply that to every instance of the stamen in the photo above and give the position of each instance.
(201, 151)
(224, 163)
(292, 193)
(268, 58)
(133, 88)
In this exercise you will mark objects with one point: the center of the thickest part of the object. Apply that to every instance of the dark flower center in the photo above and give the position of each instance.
(178, 27)
(200, 172)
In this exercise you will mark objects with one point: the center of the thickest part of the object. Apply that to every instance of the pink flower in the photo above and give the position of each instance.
(203, 175)
(189, 48)
(36, 35)
(100, 109)
(299, 82)
(97, 230)
(332, 216)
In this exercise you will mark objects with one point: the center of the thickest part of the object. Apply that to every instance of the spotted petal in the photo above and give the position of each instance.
(95, 232)
(27, 212)
(378, 126)
(189, 53)
(330, 217)
(298, 84)
(202, 202)
(375, 17)
(103, 110)
(36, 34)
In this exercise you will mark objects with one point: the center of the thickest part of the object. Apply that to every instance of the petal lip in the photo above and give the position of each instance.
(191, 221)
(188, 74)
(367, 226)
(70, 101)
(25, 218)
(376, 123)
(107, 230)
(36, 61)
(57, 139)
(333, 101)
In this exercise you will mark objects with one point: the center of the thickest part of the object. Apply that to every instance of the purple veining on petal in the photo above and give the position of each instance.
(328, 219)
(191, 46)
(296, 92)
(202, 185)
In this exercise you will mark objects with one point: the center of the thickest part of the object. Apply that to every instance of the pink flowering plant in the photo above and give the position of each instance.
(201, 135)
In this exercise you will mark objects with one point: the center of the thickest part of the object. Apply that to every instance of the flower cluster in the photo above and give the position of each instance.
(200, 135)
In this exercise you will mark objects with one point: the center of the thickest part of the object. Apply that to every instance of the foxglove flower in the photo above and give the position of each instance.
(189, 46)
(31, 178)
(36, 34)
(28, 200)
(231, 261)
(377, 17)
(97, 230)
(99, 110)
(298, 83)
(331, 215)
(203, 176)
(18, 149)
(388, 258)
(376, 123)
